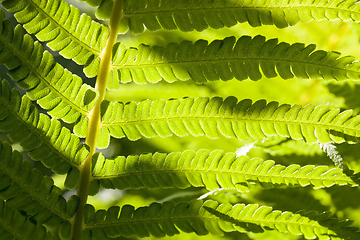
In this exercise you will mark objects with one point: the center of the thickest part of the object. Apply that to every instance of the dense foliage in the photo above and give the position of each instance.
(158, 118)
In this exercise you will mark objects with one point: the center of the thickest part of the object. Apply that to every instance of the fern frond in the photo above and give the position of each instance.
(26, 189)
(215, 117)
(167, 219)
(292, 199)
(281, 146)
(13, 225)
(199, 15)
(53, 87)
(104, 7)
(227, 59)
(340, 197)
(212, 170)
(348, 90)
(66, 30)
(44, 139)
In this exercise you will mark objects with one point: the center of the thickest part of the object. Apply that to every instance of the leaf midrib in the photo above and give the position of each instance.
(32, 193)
(265, 222)
(292, 122)
(267, 8)
(34, 131)
(217, 172)
(228, 60)
(9, 229)
(39, 76)
(73, 37)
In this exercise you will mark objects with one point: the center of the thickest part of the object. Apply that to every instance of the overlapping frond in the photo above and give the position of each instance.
(104, 7)
(215, 117)
(199, 15)
(66, 30)
(43, 138)
(13, 225)
(347, 90)
(212, 170)
(292, 199)
(168, 219)
(53, 87)
(25, 189)
(226, 59)
(280, 146)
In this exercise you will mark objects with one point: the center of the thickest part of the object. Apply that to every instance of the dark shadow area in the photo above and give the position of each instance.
(291, 199)
(246, 226)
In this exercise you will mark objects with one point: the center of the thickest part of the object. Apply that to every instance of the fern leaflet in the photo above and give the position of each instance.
(167, 219)
(54, 88)
(227, 59)
(65, 29)
(13, 225)
(230, 118)
(212, 170)
(26, 189)
(201, 14)
(44, 139)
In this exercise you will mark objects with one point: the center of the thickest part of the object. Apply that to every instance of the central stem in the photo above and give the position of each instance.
(94, 119)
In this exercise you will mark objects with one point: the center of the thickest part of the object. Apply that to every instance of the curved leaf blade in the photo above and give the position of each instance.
(212, 170)
(26, 189)
(167, 219)
(76, 36)
(199, 15)
(43, 138)
(227, 59)
(215, 117)
(53, 87)
(13, 225)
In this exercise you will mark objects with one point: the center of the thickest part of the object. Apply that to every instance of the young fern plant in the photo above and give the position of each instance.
(227, 192)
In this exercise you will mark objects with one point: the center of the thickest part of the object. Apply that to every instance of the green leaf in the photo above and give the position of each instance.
(26, 189)
(215, 117)
(53, 87)
(348, 90)
(66, 30)
(14, 225)
(212, 170)
(43, 138)
(167, 219)
(199, 15)
(246, 58)
(72, 178)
